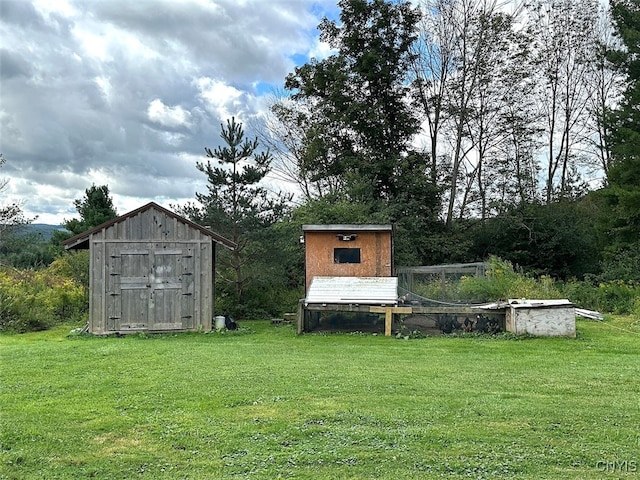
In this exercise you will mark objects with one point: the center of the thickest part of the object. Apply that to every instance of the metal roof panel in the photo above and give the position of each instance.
(347, 227)
(353, 290)
(529, 303)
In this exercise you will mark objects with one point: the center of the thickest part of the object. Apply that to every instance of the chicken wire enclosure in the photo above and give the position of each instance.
(435, 284)
(438, 304)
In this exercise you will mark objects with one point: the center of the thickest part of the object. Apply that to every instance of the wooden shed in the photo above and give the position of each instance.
(347, 251)
(150, 270)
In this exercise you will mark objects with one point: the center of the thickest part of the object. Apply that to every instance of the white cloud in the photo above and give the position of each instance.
(321, 50)
(221, 99)
(128, 94)
(167, 116)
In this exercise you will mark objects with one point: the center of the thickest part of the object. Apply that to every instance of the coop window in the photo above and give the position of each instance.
(346, 255)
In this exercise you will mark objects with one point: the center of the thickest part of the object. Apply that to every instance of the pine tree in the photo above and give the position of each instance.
(237, 205)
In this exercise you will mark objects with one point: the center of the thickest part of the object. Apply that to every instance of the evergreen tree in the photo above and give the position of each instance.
(236, 205)
(95, 208)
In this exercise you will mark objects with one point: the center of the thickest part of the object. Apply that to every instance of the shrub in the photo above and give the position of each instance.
(38, 299)
(501, 281)
(73, 265)
(437, 289)
(617, 297)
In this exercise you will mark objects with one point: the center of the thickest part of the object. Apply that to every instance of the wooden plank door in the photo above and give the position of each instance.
(166, 305)
(131, 292)
(151, 289)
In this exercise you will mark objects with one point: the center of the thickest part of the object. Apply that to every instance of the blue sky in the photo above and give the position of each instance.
(128, 94)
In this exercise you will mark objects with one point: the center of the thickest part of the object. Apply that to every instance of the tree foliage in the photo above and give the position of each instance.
(622, 195)
(559, 239)
(95, 208)
(361, 92)
(362, 127)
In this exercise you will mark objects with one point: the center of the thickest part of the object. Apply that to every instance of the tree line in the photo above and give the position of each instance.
(476, 127)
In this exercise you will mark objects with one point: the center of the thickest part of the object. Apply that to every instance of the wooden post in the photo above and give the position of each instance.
(388, 315)
(300, 325)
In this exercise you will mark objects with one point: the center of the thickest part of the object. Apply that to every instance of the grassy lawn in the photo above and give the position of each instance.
(265, 403)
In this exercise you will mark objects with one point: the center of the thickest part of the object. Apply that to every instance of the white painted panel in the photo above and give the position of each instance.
(354, 290)
(545, 318)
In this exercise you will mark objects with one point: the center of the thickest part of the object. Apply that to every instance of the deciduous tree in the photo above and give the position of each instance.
(362, 93)
(565, 44)
(11, 214)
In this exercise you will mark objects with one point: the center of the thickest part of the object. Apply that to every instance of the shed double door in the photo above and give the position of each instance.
(152, 288)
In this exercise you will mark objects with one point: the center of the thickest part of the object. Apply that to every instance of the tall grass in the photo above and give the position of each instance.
(263, 403)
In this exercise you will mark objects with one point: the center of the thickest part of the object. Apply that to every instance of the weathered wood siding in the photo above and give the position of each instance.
(375, 255)
(151, 272)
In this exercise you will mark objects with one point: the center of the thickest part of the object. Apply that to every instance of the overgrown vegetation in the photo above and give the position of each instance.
(268, 404)
(503, 280)
(40, 299)
(32, 299)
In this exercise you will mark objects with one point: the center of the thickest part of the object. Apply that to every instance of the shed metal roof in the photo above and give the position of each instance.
(353, 290)
(345, 227)
(81, 241)
(529, 303)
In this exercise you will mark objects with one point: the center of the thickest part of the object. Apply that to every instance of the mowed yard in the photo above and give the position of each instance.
(265, 403)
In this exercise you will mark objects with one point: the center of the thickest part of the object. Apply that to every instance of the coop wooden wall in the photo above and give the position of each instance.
(182, 248)
(375, 255)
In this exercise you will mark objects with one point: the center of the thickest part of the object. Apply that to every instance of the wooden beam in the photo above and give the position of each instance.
(388, 315)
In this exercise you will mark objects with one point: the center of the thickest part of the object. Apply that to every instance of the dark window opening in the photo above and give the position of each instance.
(346, 255)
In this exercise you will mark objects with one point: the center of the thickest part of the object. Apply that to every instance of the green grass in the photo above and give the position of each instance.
(266, 403)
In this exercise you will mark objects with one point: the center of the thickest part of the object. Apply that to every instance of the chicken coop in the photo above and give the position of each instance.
(350, 286)
(347, 251)
(348, 278)
(150, 270)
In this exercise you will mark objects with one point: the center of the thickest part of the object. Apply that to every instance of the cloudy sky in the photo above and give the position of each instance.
(128, 93)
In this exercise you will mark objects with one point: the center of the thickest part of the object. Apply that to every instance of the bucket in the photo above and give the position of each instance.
(220, 322)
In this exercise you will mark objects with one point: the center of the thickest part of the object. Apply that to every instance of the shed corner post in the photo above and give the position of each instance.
(209, 321)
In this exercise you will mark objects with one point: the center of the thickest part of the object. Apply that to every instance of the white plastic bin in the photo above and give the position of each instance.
(220, 323)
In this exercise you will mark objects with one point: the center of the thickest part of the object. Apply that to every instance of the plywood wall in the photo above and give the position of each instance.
(375, 253)
(559, 321)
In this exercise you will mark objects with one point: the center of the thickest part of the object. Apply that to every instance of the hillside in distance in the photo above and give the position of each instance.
(42, 231)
